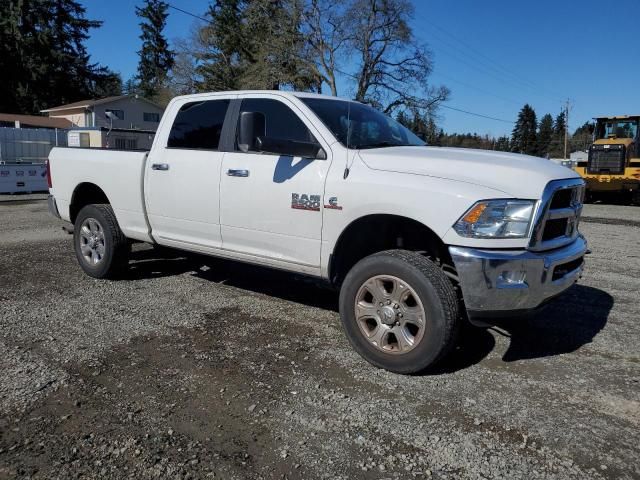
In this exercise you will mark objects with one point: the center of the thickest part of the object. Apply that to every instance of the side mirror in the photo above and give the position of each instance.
(252, 125)
(291, 148)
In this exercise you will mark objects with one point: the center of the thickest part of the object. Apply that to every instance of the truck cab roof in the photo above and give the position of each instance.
(283, 93)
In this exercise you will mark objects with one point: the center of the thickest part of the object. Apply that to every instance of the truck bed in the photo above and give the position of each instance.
(119, 173)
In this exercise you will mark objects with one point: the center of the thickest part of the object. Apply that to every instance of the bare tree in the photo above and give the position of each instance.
(393, 66)
(308, 44)
(183, 77)
(323, 26)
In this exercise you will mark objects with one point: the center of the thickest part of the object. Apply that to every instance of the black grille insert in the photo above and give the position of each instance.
(554, 229)
(564, 268)
(562, 198)
(606, 160)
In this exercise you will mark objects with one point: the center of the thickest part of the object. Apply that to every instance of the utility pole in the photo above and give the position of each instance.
(566, 128)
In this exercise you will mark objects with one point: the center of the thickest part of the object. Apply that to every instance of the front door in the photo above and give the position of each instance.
(183, 177)
(271, 205)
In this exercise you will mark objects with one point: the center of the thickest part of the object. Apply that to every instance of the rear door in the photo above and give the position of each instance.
(183, 175)
(271, 205)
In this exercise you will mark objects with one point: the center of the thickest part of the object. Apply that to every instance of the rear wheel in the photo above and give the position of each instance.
(399, 311)
(101, 248)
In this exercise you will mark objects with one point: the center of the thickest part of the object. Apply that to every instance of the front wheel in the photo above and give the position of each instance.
(399, 311)
(101, 248)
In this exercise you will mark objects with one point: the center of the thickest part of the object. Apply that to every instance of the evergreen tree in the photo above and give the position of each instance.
(131, 87)
(254, 44)
(557, 144)
(432, 131)
(109, 86)
(545, 135)
(155, 57)
(502, 144)
(419, 125)
(423, 125)
(402, 119)
(277, 45)
(523, 137)
(560, 124)
(43, 57)
(223, 48)
(582, 138)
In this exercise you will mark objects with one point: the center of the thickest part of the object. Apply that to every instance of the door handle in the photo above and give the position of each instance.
(160, 166)
(238, 173)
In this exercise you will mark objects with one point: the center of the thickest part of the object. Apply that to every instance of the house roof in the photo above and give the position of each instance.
(36, 120)
(94, 102)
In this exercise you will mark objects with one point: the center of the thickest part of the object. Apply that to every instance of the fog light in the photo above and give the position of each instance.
(512, 279)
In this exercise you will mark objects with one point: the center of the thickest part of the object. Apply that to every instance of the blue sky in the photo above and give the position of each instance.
(494, 55)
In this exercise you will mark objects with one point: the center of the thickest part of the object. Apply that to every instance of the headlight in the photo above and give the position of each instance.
(496, 219)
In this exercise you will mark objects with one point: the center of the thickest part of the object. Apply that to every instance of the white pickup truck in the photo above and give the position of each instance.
(416, 238)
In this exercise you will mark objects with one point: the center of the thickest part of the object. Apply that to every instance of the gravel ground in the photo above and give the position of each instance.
(198, 368)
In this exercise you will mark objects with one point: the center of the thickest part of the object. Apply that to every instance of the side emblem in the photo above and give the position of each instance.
(305, 202)
(333, 204)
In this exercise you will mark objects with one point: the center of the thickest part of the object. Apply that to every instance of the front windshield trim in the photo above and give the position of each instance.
(374, 130)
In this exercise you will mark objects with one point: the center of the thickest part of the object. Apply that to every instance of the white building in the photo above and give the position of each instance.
(131, 112)
(131, 123)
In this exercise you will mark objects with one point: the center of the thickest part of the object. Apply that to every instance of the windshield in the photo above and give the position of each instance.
(617, 128)
(360, 126)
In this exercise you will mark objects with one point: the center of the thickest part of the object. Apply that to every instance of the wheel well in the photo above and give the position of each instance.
(375, 233)
(85, 194)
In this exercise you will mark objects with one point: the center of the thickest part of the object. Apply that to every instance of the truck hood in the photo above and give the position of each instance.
(520, 176)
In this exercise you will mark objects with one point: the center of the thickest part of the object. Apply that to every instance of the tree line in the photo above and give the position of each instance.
(366, 47)
(547, 137)
(542, 139)
(43, 58)
(363, 49)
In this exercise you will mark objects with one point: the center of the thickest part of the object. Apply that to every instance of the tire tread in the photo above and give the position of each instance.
(120, 257)
(443, 289)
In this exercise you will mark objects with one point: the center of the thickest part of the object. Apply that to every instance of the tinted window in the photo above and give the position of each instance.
(151, 117)
(360, 126)
(280, 121)
(198, 125)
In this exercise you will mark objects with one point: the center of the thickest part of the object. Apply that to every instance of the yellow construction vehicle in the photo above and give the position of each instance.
(613, 164)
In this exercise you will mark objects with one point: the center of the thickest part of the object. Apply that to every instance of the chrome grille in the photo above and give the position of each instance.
(558, 215)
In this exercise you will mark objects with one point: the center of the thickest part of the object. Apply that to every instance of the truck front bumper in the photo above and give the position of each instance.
(507, 282)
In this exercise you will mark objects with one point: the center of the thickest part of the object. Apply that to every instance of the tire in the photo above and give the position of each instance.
(406, 283)
(101, 248)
